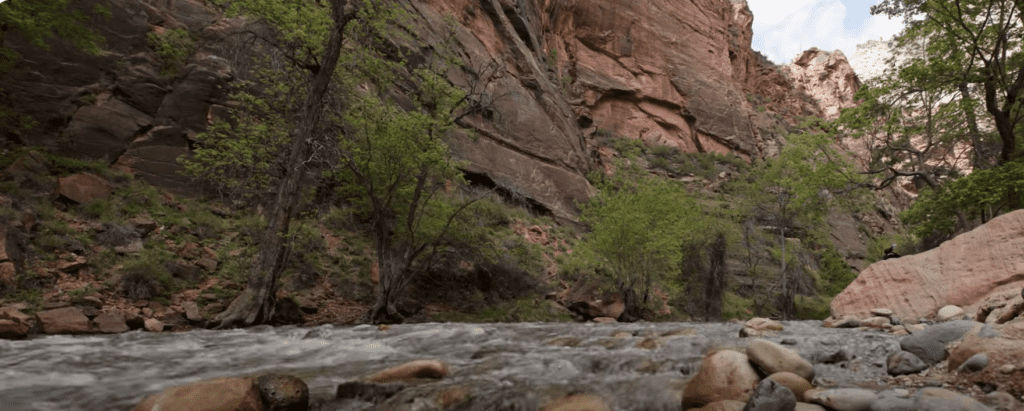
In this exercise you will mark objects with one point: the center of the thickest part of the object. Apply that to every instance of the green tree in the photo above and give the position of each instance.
(794, 191)
(637, 224)
(970, 42)
(390, 162)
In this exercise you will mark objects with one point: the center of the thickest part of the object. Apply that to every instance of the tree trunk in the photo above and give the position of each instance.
(1002, 120)
(256, 303)
(972, 127)
(392, 273)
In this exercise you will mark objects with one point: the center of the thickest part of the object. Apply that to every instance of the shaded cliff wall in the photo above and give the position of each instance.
(674, 73)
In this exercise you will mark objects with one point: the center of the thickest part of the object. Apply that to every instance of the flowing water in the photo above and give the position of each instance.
(517, 366)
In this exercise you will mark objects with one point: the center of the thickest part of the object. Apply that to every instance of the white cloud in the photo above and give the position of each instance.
(784, 30)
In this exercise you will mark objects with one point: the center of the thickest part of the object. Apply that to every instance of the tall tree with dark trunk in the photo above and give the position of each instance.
(257, 302)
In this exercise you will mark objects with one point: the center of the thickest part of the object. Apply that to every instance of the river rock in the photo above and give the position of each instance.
(977, 362)
(903, 363)
(82, 188)
(998, 351)
(14, 314)
(723, 375)
(231, 393)
(153, 325)
(11, 330)
(771, 396)
(110, 323)
(1000, 401)
(881, 312)
(803, 406)
(876, 322)
(67, 320)
(948, 313)
(893, 404)
(794, 382)
(724, 405)
(930, 344)
(192, 311)
(773, 358)
(763, 324)
(412, 370)
(842, 399)
(938, 399)
(579, 402)
(283, 392)
(848, 321)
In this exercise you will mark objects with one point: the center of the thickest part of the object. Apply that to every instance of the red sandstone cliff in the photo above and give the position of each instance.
(672, 73)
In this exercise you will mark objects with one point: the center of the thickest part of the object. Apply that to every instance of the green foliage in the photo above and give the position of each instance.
(172, 47)
(812, 307)
(102, 209)
(906, 244)
(835, 274)
(146, 277)
(637, 225)
(982, 194)
(736, 307)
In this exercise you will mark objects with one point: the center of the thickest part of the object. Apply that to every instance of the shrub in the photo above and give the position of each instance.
(812, 308)
(146, 277)
(172, 47)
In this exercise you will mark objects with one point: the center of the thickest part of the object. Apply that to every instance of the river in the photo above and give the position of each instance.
(516, 366)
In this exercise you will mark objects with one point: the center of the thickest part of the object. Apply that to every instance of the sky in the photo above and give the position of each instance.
(785, 28)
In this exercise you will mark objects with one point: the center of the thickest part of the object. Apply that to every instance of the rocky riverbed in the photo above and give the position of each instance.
(517, 366)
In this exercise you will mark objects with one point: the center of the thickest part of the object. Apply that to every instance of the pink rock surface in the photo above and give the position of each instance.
(963, 271)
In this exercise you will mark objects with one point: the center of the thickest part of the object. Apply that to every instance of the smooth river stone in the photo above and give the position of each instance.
(938, 399)
(723, 375)
(773, 358)
(236, 394)
(949, 312)
(412, 370)
(794, 382)
(771, 396)
(843, 399)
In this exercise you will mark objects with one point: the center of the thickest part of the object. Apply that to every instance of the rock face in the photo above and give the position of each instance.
(826, 77)
(678, 74)
(963, 271)
(67, 320)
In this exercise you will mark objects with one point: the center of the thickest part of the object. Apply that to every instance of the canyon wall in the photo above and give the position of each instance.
(559, 73)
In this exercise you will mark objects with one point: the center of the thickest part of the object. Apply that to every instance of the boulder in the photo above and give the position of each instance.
(12, 330)
(794, 382)
(763, 324)
(14, 314)
(876, 322)
(938, 399)
(949, 312)
(903, 363)
(918, 285)
(771, 396)
(283, 392)
(192, 311)
(153, 325)
(724, 405)
(231, 393)
(773, 358)
(110, 323)
(977, 362)
(432, 369)
(579, 402)
(67, 320)
(723, 375)
(82, 188)
(842, 399)
(930, 344)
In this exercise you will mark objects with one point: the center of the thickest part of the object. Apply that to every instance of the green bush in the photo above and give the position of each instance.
(835, 274)
(146, 277)
(812, 308)
(173, 47)
(736, 307)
